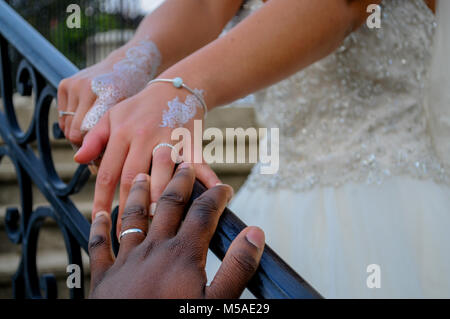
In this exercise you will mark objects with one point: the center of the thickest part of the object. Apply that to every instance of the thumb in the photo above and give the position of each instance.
(94, 142)
(239, 265)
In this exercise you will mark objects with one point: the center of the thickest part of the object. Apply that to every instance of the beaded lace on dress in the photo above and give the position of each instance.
(358, 114)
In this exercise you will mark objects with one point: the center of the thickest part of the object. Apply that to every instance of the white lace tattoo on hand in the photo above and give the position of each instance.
(129, 76)
(180, 113)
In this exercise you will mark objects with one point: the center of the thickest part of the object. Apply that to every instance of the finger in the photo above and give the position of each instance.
(94, 142)
(162, 172)
(109, 172)
(206, 175)
(138, 161)
(100, 251)
(71, 107)
(62, 101)
(239, 265)
(86, 102)
(203, 171)
(171, 204)
(202, 218)
(135, 215)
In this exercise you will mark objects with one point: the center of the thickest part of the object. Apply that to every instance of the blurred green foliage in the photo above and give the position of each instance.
(72, 42)
(49, 18)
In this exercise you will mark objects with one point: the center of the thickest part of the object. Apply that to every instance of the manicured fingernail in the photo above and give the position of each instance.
(256, 237)
(101, 213)
(231, 188)
(76, 154)
(152, 209)
(185, 165)
(93, 169)
(141, 177)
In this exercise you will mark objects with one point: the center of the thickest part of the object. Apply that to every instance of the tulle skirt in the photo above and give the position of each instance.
(358, 240)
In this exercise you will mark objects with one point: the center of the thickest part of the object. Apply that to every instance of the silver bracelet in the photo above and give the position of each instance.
(178, 83)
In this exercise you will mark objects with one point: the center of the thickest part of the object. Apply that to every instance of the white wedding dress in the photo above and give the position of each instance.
(358, 181)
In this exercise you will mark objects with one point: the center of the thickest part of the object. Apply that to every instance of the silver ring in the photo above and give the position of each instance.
(131, 230)
(63, 113)
(161, 145)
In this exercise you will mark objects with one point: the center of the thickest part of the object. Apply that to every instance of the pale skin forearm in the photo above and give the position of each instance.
(281, 38)
(180, 27)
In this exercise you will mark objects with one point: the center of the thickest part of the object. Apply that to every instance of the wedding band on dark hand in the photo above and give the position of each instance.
(130, 231)
(64, 113)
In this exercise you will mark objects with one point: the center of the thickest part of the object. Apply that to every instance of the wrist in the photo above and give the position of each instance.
(175, 107)
(143, 53)
(193, 81)
(117, 54)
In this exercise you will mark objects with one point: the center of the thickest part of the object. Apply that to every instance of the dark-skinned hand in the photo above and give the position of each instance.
(168, 260)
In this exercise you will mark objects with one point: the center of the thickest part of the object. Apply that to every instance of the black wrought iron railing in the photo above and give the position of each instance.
(40, 70)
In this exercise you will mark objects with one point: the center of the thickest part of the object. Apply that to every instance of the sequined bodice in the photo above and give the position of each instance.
(358, 113)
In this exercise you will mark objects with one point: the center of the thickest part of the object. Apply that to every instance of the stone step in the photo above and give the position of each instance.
(239, 114)
(66, 170)
(50, 237)
(50, 262)
(62, 155)
(84, 208)
(51, 258)
(233, 174)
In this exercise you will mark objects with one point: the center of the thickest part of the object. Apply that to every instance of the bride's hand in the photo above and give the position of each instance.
(129, 132)
(92, 91)
(75, 95)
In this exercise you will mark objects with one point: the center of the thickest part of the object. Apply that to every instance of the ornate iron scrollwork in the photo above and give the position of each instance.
(23, 225)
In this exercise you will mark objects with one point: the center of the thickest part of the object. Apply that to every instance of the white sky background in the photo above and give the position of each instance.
(134, 7)
(150, 5)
